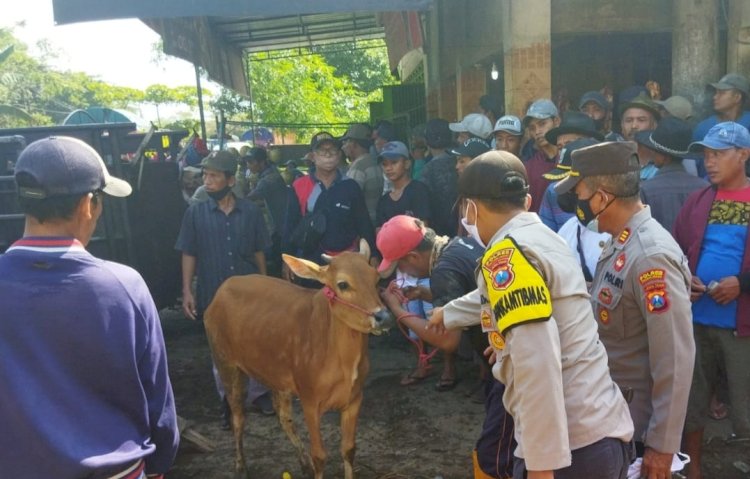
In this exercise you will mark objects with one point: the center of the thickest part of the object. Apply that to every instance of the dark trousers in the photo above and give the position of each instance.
(607, 458)
(496, 444)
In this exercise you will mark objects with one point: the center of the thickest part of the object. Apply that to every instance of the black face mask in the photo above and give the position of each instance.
(584, 212)
(567, 202)
(219, 195)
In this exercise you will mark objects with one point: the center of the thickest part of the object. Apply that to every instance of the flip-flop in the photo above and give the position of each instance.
(410, 379)
(446, 384)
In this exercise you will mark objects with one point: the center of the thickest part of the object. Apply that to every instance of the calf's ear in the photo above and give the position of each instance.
(304, 268)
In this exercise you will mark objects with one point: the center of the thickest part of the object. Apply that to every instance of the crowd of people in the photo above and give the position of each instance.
(593, 262)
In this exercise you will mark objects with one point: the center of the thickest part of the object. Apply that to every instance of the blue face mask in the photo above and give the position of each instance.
(473, 230)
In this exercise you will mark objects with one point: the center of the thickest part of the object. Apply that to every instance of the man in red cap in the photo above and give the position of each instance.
(407, 244)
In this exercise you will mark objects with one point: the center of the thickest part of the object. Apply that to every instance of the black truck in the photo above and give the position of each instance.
(139, 230)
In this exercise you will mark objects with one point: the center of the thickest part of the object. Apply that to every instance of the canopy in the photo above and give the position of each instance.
(215, 34)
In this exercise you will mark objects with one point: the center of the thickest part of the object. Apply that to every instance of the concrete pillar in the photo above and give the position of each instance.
(695, 49)
(738, 37)
(527, 52)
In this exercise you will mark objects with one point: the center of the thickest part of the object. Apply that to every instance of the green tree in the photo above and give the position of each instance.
(330, 89)
(364, 62)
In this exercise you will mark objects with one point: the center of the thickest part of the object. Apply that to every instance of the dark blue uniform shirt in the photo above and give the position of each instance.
(224, 245)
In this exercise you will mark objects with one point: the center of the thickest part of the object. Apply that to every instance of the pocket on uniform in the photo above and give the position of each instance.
(607, 314)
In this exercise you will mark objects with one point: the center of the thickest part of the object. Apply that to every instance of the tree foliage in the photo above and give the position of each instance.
(32, 93)
(328, 89)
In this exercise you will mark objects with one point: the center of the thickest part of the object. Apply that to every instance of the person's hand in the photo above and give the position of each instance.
(390, 298)
(656, 465)
(188, 305)
(417, 292)
(697, 289)
(491, 355)
(436, 321)
(727, 290)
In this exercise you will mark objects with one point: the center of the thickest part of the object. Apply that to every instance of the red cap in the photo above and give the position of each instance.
(396, 238)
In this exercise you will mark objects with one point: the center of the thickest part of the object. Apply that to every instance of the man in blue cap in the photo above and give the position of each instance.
(84, 386)
(712, 230)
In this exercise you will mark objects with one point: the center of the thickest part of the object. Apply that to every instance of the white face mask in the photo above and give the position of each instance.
(472, 229)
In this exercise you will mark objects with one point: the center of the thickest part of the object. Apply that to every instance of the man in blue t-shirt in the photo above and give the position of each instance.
(84, 386)
(712, 230)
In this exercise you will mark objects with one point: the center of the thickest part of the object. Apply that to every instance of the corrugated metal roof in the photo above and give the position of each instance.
(296, 31)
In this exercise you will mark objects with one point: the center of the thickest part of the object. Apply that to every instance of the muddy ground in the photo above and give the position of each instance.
(410, 432)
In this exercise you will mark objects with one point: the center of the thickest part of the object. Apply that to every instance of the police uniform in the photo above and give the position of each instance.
(641, 299)
(533, 303)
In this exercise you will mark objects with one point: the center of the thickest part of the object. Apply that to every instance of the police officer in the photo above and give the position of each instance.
(571, 420)
(640, 297)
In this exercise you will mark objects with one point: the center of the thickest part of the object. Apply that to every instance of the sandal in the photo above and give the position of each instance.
(446, 384)
(412, 379)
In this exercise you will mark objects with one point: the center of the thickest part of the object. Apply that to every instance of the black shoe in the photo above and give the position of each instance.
(226, 416)
(264, 405)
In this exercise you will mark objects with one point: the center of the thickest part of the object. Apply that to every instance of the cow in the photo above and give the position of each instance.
(299, 342)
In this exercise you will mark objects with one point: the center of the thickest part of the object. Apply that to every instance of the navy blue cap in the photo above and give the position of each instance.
(472, 148)
(64, 166)
(596, 97)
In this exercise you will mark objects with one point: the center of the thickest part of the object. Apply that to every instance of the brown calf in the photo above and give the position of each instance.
(296, 341)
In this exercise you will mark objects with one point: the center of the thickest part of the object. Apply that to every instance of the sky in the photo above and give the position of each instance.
(119, 52)
(116, 51)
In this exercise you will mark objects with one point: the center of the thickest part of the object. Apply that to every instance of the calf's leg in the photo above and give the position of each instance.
(317, 449)
(282, 401)
(349, 417)
(235, 387)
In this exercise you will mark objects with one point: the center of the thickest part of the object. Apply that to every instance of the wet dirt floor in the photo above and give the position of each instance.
(412, 432)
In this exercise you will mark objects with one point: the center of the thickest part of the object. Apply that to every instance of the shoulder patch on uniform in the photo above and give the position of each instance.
(624, 236)
(620, 262)
(496, 340)
(656, 274)
(654, 286)
(517, 291)
(499, 267)
(604, 315)
(605, 296)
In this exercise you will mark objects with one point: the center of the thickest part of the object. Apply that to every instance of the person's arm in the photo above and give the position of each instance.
(539, 397)
(187, 243)
(188, 300)
(446, 342)
(662, 289)
(547, 212)
(154, 377)
(464, 311)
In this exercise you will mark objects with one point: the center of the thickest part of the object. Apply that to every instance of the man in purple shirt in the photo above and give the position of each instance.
(84, 386)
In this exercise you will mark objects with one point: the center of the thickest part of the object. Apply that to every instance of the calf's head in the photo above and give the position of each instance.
(352, 288)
